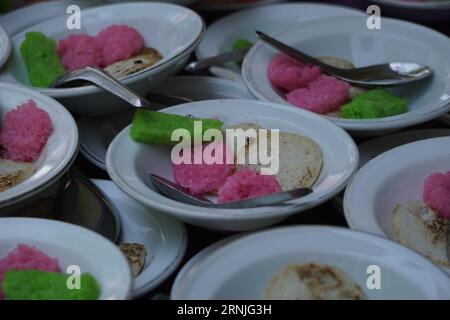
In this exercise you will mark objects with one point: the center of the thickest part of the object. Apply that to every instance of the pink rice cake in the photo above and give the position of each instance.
(288, 74)
(79, 51)
(436, 193)
(205, 178)
(323, 95)
(24, 133)
(25, 257)
(119, 42)
(247, 184)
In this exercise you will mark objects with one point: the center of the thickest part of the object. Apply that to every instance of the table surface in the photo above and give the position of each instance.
(198, 238)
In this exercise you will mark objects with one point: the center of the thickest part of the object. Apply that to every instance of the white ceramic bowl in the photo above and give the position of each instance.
(5, 46)
(349, 38)
(58, 153)
(130, 172)
(72, 246)
(220, 36)
(174, 30)
(241, 270)
(392, 178)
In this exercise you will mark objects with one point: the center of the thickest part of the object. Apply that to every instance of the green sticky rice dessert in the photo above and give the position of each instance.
(43, 285)
(241, 44)
(373, 104)
(156, 127)
(42, 61)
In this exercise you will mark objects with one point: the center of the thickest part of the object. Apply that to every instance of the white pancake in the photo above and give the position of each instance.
(418, 227)
(312, 281)
(12, 173)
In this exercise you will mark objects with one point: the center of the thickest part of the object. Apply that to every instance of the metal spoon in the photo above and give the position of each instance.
(81, 202)
(107, 82)
(388, 74)
(178, 193)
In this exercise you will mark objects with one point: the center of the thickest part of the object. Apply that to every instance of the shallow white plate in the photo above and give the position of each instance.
(71, 245)
(5, 46)
(30, 15)
(58, 153)
(164, 238)
(243, 268)
(221, 35)
(173, 30)
(392, 178)
(96, 133)
(349, 38)
(130, 172)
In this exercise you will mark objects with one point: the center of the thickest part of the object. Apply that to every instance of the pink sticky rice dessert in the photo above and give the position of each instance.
(436, 193)
(323, 95)
(247, 184)
(119, 42)
(79, 51)
(27, 258)
(288, 74)
(207, 176)
(24, 133)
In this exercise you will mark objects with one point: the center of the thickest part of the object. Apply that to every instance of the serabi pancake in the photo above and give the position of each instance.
(12, 173)
(312, 281)
(418, 227)
(136, 255)
(300, 160)
(147, 58)
(343, 64)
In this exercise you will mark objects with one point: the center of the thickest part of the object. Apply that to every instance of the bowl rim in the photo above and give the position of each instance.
(58, 225)
(178, 290)
(68, 158)
(367, 125)
(270, 7)
(348, 204)
(191, 211)
(8, 48)
(89, 89)
(429, 5)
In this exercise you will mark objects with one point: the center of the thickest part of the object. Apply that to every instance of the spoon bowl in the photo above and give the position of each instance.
(386, 74)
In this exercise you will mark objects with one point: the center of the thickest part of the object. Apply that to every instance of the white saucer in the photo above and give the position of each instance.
(164, 237)
(97, 133)
(5, 46)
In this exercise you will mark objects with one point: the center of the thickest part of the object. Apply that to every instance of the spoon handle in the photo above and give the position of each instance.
(294, 53)
(105, 81)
